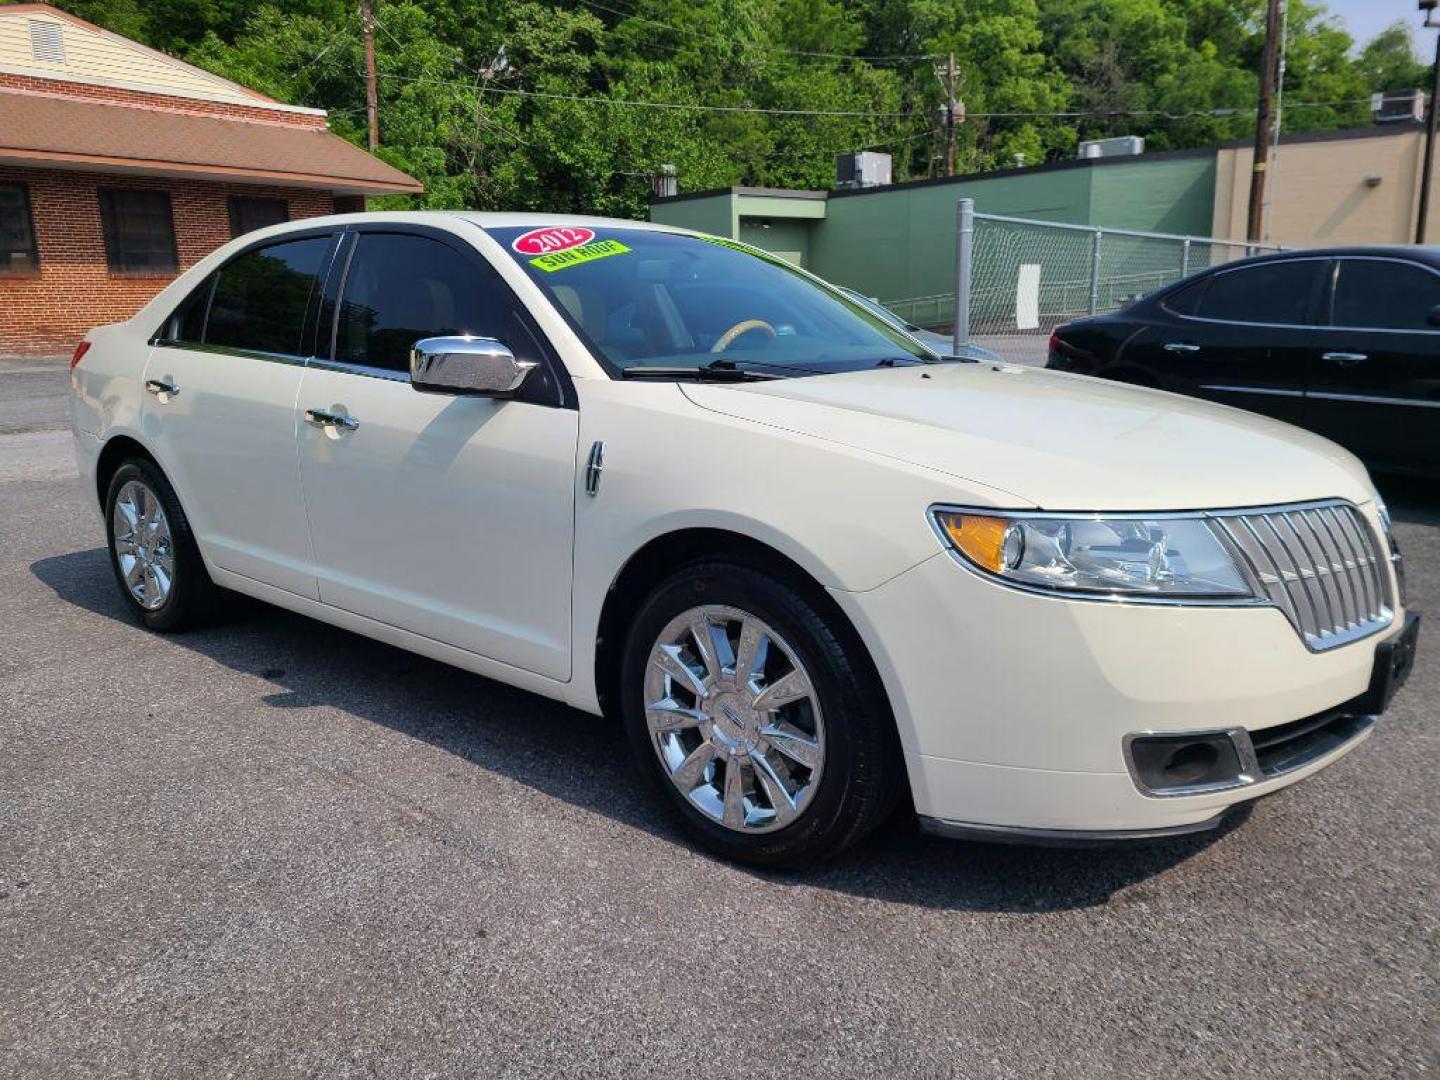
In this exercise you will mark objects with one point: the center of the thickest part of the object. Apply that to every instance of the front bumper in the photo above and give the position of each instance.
(1014, 710)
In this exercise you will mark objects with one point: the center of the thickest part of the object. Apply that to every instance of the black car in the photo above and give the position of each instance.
(1345, 342)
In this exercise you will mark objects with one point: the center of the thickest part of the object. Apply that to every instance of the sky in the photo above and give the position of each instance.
(1366, 18)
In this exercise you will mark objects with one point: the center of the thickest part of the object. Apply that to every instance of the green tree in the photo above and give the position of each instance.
(1389, 61)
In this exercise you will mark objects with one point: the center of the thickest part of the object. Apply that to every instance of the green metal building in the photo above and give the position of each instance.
(897, 242)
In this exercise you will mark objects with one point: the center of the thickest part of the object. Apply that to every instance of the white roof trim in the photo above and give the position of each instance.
(159, 91)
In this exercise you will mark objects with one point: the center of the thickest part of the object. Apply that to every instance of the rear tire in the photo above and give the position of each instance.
(157, 564)
(762, 725)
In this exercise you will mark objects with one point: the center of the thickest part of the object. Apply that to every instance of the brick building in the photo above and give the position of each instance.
(121, 166)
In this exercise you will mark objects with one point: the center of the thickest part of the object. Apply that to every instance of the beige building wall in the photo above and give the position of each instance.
(1357, 190)
(97, 56)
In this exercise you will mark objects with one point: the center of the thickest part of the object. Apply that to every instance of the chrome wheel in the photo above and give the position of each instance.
(144, 550)
(734, 718)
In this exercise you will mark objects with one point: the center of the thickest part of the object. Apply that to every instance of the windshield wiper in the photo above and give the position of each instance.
(722, 370)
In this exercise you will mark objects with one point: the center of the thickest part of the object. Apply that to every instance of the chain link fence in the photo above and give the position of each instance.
(1027, 277)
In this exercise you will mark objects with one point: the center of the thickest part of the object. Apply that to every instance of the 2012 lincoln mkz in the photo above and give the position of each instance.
(818, 572)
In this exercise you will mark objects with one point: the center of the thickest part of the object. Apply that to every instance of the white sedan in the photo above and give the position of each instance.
(816, 570)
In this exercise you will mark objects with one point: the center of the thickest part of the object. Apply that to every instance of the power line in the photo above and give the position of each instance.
(597, 99)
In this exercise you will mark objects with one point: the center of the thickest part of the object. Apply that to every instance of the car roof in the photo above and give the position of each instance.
(1427, 253)
(483, 218)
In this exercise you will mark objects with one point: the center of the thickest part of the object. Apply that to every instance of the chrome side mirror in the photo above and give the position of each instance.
(478, 366)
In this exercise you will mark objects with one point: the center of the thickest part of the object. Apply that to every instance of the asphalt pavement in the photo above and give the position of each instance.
(273, 848)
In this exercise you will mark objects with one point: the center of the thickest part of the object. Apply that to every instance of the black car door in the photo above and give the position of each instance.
(1238, 336)
(1375, 383)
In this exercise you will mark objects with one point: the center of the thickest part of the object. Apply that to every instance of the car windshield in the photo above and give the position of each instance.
(650, 302)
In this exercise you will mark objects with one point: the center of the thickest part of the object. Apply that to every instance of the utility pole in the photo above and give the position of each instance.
(950, 115)
(1272, 179)
(1420, 220)
(1255, 227)
(367, 31)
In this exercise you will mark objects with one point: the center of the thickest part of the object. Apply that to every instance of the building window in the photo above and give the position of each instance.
(248, 213)
(17, 231)
(139, 231)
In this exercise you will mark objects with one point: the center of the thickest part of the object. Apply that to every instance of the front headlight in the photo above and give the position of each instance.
(1098, 555)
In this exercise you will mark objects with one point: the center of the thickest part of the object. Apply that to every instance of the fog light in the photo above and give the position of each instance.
(1185, 764)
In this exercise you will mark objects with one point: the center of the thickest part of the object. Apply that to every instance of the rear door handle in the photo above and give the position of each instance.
(1345, 359)
(326, 418)
(1181, 347)
(161, 386)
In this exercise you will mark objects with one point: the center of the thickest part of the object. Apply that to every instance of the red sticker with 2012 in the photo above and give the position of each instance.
(552, 239)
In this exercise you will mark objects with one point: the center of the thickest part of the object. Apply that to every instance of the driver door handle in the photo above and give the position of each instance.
(161, 386)
(326, 418)
(1181, 347)
(1345, 359)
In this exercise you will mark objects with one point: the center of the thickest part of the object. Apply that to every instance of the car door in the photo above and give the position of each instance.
(448, 516)
(222, 381)
(1375, 384)
(1238, 336)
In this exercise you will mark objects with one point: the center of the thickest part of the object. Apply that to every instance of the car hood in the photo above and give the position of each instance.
(1054, 440)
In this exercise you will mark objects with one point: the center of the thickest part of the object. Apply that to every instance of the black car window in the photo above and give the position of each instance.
(188, 322)
(401, 288)
(1384, 294)
(1277, 293)
(261, 297)
(1185, 300)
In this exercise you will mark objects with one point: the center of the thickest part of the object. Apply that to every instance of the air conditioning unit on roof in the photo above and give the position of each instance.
(1120, 146)
(1398, 106)
(863, 169)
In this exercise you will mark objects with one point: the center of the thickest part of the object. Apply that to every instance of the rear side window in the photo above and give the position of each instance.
(402, 288)
(260, 298)
(1382, 294)
(1271, 293)
(1186, 300)
(188, 322)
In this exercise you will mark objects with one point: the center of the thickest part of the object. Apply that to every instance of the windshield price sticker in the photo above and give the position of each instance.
(559, 260)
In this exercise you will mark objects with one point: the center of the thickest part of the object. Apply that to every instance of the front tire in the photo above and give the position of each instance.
(157, 564)
(761, 723)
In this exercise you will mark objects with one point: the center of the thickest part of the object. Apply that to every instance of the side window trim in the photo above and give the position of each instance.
(1334, 285)
(1311, 325)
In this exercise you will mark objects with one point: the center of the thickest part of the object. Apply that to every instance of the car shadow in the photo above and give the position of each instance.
(573, 756)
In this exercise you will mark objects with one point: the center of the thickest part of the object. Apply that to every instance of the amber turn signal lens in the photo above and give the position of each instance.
(980, 539)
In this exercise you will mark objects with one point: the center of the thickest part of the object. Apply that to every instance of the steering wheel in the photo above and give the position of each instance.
(729, 336)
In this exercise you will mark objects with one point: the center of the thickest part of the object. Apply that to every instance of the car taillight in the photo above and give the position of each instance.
(1054, 344)
(80, 351)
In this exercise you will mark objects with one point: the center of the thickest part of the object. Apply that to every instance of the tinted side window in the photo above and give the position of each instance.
(1384, 295)
(1185, 301)
(1275, 293)
(402, 288)
(261, 297)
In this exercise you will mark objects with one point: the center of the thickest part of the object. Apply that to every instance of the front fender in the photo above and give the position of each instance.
(850, 518)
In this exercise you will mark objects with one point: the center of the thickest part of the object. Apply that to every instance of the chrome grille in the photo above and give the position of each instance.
(1317, 563)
